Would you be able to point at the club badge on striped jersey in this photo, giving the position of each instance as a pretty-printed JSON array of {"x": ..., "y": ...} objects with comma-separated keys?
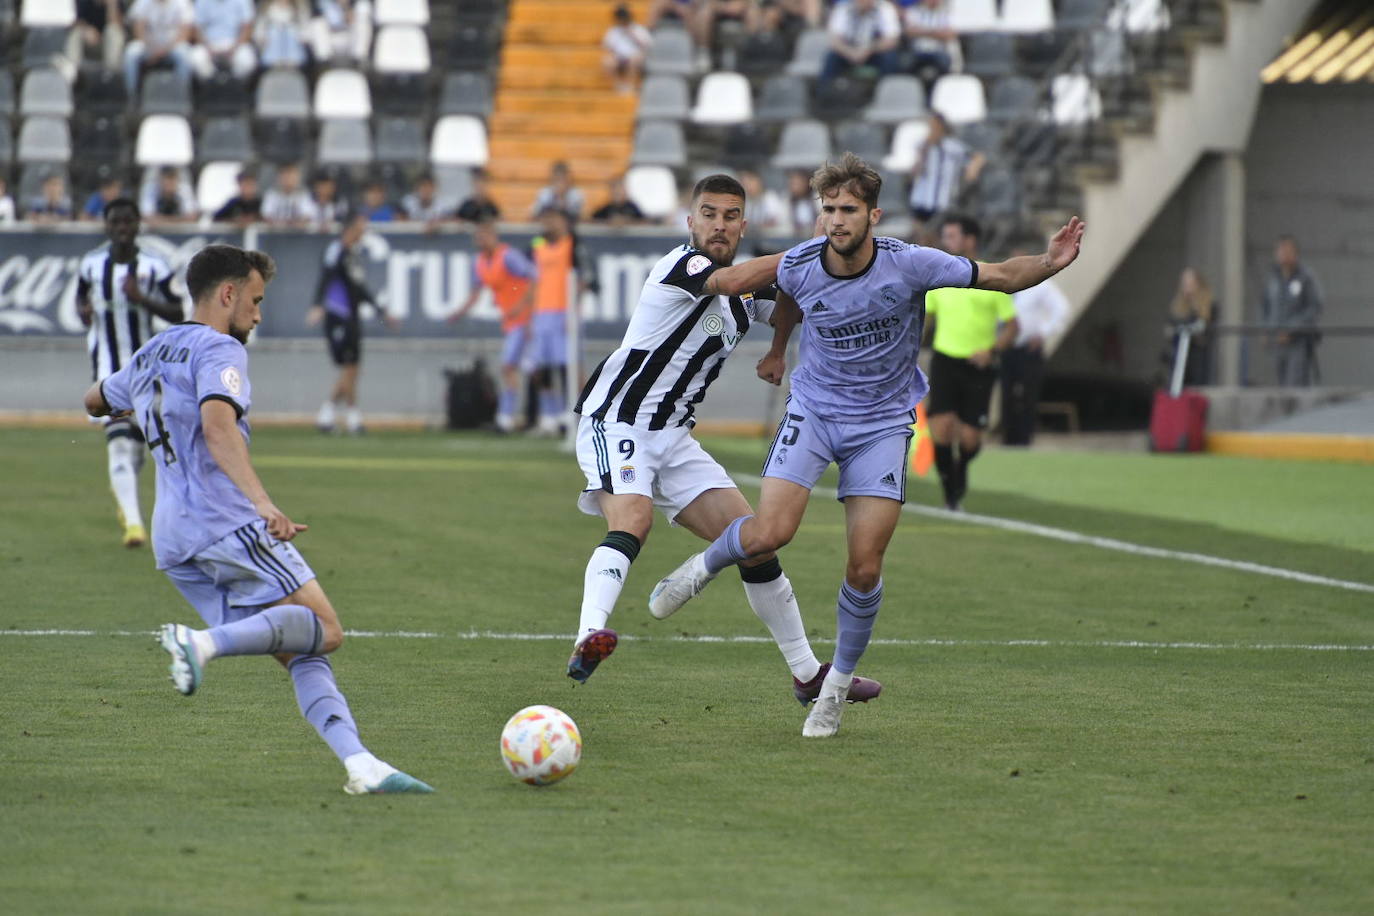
[
  {"x": 747, "y": 300},
  {"x": 627, "y": 473}
]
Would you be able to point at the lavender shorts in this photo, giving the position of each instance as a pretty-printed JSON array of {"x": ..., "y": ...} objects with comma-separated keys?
[
  {"x": 548, "y": 341},
  {"x": 514, "y": 346},
  {"x": 872, "y": 455}
]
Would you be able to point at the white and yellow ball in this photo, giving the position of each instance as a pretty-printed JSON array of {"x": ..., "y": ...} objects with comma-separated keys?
[{"x": 540, "y": 745}]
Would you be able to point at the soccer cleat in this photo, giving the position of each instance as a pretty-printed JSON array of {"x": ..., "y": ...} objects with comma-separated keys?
[
  {"x": 861, "y": 689},
  {"x": 824, "y": 719},
  {"x": 386, "y": 780},
  {"x": 135, "y": 536},
  {"x": 679, "y": 586},
  {"x": 590, "y": 652},
  {"x": 187, "y": 668}
]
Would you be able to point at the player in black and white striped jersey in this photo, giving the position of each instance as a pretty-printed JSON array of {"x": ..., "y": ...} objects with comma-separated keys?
[{"x": 120, "y": 289}]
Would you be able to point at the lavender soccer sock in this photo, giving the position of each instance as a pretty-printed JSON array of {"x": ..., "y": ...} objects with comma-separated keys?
[
  {"x": 726, "y": 550},
  {"x": 324, "y": 706},
  {"x": 854, "y": 616},
  {"x": 506, "y": 404},
  {"x": 281, "y": 628}
]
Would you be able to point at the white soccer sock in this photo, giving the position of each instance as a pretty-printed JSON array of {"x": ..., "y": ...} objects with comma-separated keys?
[
  {"x": 124, "y": 456},
  {"x": 836, "y": 682},
  {"x": 601, "y": 585},
  {"x": 776, "y": 605}
]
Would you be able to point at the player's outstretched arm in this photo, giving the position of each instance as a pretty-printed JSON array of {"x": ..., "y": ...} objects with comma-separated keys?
[
  {"x": 95, "y": 402},
  {"x": 786, "y": 316},
  {"x": 753, "y": 274},
  {"x": 219, "y": 421},
  {"x": 1016, "y": 274}
]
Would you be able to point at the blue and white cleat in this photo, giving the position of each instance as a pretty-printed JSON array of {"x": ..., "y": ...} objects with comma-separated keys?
[
  {"x": 187, "y": 669},
  {"x": 369, "y": 776},
  {"x": 590, "y": 652}
]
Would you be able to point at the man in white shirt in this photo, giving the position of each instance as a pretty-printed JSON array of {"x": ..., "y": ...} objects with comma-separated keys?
[
  {"x": 933, "y": 43},
  {"x": 287, "y": 203},
  {"x": 863, "y": 33},
  {"x": 1042, "y": 312},
  {"x": 625, "y": 44},
  {"x": 224, "y": 30},
  {"x": 944, "y": 164},
  {"x": 161, "y": 31}
]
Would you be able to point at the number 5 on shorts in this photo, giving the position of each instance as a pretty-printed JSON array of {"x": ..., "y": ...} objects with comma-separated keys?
[{"x": 791, "y": 429}]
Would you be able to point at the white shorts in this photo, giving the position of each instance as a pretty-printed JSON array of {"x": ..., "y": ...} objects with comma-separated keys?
[
  {"x": 666, "y": 465},
  {"x": 240, "y": 574}
]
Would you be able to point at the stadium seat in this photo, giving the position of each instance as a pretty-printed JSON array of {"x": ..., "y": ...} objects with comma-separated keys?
[
  {"x": 282, "y": 140},
  {"x": 764, "y": 53},
  {"x": 1108, "y": 54},
  {"x": 783, "y": 98},
  {"x": 45, "y": 139},
  {"x": 45, "y": 92},
  {"x": 747, "y": 145},
  {"x": 989, "y": 54},
  {"x": 166, "y": 93},
  {"x": 226, "y": 138},
  {"x": 466, "y": 94},
  {"x": 1082, "y": 14},
  {"x": 959, "y": 97},
  {"x": 653, "y": 189},
  {"x": 47, "y": 14},
  {"x": 400, "y": 140},
  {"x": 400, "y": 95},
  {"x": 222, "y": 95},
  {"x": 401, "y": 49},
  {"x": 164, "y": 139},
  {"x": 671, "y": 53},
  {"x": 1013, "y": 98},
  {"x": 458, "y": 140},
  {"x": 102, "y": 138},
  {"x": 1027, "y": 16},
  {"x": 840, "y": 97},
  {"x": 906, "y": 140},
  {"x": 217, "y": 182},
  {"x": 663, "y": 97},
  {"x": 983, "y": 137},
  {"x": 999, "y": 193},
  {"x": 865, "y": 139},
  {"x": 1075, "y": 100},
  {"x": 452, "y": 184},
  {"x": 898, "y": 97},
  {"x": 6, "y": 92},
  {"x": 894, "y": 200},
  {"x": 6, "y": 143},
  {"x": 471, "y": 48},
  {"x": 344, "y": 141},
  {"x": 804, "y": 144},
  {"x": 659, "y": 143},
  {"x": 342, "y": 93},
  {"x": 400, "y": 12},
  {"x": 973, "y": 15},
  {"x": 102, "y": 92},
  {"x": 46, "y": 47},
  {"x": 1138, "y": 16},
  {"x": 809, "y": 53},
  {"x": 723, "y": 98}
]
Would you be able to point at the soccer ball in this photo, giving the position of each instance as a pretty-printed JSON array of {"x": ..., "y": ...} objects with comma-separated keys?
[{"x": 540, "y": 745}]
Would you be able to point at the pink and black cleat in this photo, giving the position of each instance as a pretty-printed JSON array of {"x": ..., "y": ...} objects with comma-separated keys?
[
  {"x": 861, "y": 689},
  {"x": 592, "y": 651}
]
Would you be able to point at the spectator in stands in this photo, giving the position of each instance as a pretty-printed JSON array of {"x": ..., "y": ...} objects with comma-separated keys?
[
  {"x": 625, "y": 44},
  {"x": 802, "y": 204},
  {"x": 224, "y": 33},
  {"x": 53, "y": 204},
  {"x": 619, "y": 210},
  {"x": 375, "y": 204},
  {"x": 244, "y": 207},
  {"x": 559, "y": 193},
  {"x": 162, "y": 31},
  {"x": 99, "y": 24},
  {"x": 324, "y": 198},
  {"x": 109, "y": 189},
  {"x": 479, "y": 207},
  {"x": 1291, "y": 306},
  {"x": 863, "y": 34},
  {"x": 341, "y": 29},
  {"x": 710, "y": 13},
  {"x": 281, "y": 32},
  {"x": 682, "y": 11},
  {"x": 287, "y": 204},
  {"x": 1042, "y": 312},
  {"x": 169, "y": 198},
  {"x": 944, "y": 164},
  {"x": 933, "y": 43},
  {"x": 1191, "y": 310},
  {"x": 762, "y": 210},
  {"x": 422, "y": 204},
  {"x": 7, "y": 214}
]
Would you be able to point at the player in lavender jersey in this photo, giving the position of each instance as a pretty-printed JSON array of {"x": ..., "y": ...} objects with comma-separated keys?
[
  {"x": 216, "y": 533},
  {"x": 853, "y": 393}
]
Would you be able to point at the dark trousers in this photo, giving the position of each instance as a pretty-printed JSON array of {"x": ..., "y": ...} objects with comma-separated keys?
[
  {"x": 1023, "y": 370},
  {"x": 884, "y": 62}
]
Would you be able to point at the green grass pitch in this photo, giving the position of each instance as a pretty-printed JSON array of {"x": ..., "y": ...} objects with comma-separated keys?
[{"x": 1044, "y": 742}]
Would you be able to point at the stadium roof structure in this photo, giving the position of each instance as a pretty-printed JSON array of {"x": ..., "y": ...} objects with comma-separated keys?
[{"x": 1336, "y": 45}]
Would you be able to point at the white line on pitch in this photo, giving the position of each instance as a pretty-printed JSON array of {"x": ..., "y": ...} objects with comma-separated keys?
[
  {"x": 1074, "y": 537},
  {"x": 763, "y": 640}
]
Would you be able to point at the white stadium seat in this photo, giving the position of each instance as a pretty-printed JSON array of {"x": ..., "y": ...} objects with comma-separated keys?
[
  {"x": 1139, "y": 16},
  {"x": 164, "y": 139},
  {"x": 401, "y": 49},
  {"x": 973, "y": 15},
  {"x": 342, "y": 93},
  {"x": 400, "y": 12},
  {"x": 1076, "y": 101},
  {"x": 723, "y": 98},
  {"x": 906, "y": 140},
  {"x": 218, "y": 181},
  {"x": 959, "y": 97},
  {"x": 1027, "y": 16},
  {"x": 653, "y": 189},
  {"x": 47, "y": 14},
  {"x": 458, "y": 140}
]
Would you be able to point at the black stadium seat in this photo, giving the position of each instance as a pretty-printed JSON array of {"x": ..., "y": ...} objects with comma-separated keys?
[
  {"x": 401, "y": 94},
  {"x": 223, "y": 95},
  {"x": 101, "y": 92},
  {"x": 282, "y": 140}
]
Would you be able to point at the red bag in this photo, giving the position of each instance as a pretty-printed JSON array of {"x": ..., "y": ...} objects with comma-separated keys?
[{"x": 1178, "y": 423}]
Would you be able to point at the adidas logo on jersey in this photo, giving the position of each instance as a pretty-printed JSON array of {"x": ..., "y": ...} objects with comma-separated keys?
[
  {"x": 613, "y": 573},
  {"x": 889, "y": 479},
  {"x": 819, "y": 307}
]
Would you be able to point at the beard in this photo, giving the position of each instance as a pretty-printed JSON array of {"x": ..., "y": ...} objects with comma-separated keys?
[
  {"x": 856, "y": 241},
  {"x": 240, "y": 334},
  {"x": 725, "y": 261}
]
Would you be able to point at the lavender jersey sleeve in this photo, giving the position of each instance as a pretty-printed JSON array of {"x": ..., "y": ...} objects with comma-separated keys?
[
  {"x": 221, "y": 373},
  {"x": 519, "y": 265},
  {"x": 118, "y": 389},
  {"x": 930, "y": 268}
]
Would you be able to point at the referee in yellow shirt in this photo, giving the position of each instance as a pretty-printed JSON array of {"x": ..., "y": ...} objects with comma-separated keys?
[{"x": 972, "y": 326}]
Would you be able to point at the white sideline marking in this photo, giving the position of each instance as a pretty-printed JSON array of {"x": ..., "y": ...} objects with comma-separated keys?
[
  {"x": 1140, "y": 550},
  {"x": 473, "y": 635}
]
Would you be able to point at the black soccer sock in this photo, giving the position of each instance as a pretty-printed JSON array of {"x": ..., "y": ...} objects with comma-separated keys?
[
  {"x": 945, "y": 466},
  {"x": 966, "y": 456}
]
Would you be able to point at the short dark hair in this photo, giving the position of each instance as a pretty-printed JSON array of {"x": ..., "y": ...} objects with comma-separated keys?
[
  {"x": 850, "y": 174},
  {"x": 718, "y": 184},
  {"x": 967, "y": 225},
  {"x": 216, "y": 264},
  {"x": 118, "y": 202}
]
